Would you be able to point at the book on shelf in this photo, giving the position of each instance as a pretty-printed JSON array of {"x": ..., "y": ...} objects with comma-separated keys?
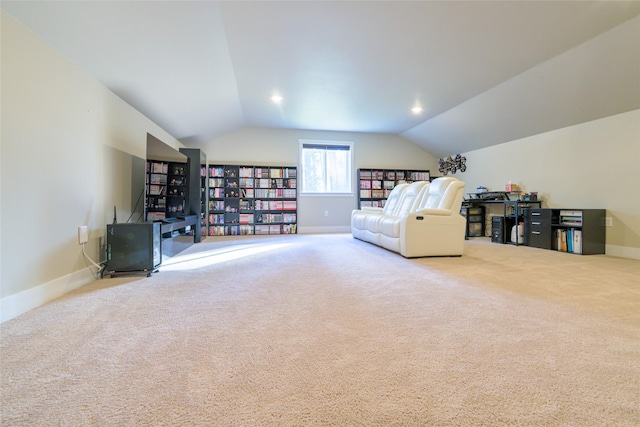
[
  {"x": 246, "y": 182},
  {"x": 216, "y": 182},
  {"x": 245, "y": 172},
  {"x": 577, "y": 241},
  {"x": 262, "y": 229},
  {"x": 155, "y": 216},
  {"x": 216, "y": 230},
  {"x": 158, "y": 178},
  {"x": 246, "y": 218},
  {"x": 289, "y": 228},
  {"x": 246, "y": 230},
  {"x": 276, "y": 173},
  {"x": 159, "y": 167},
  {"x": 568, "y": 240},
  {"x": 216, "y": 171},
  {"x": 156, "y": 190},
  {"x": 419, "y": 176}
]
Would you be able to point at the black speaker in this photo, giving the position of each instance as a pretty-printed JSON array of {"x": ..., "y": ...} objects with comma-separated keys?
[
  {"x": 134, "y": 247},
  {"x": 497, "y": 230}
]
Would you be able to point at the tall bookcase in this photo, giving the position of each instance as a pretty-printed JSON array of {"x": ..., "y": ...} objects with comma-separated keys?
[
  {"x": 165, "y": 190},
  {"x": 197, "y": 189},
  {"x": 245, "y": 200},
  {"x": 375, "y": 185}
]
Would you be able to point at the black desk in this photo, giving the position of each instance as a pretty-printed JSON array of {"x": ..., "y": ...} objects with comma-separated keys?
[{"x": 512, "y": 210}]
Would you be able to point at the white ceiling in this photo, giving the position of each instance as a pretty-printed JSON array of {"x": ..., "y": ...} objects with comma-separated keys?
[{"x": 486, "y": 72}]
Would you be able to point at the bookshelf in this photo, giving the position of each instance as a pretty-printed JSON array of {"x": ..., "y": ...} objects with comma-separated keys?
[
  {"x": 246, "y": 200},
  {"x": 578, "y": 231},
  {"x": 197, "y": 189},
  {"x": 374, "y": 185},
  {"x": 165, "y": 190},
  {"x": 156, "y": 190}
]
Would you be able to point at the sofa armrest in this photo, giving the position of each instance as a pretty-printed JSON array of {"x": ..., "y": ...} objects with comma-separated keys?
[{"x": 432, "y": 211}]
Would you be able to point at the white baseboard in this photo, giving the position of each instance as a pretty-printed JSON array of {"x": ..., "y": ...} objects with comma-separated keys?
[
  {"x": 623, "y": 251},
  {"x": 328, "y": 229},
  {"x": 14, "y": 305}
]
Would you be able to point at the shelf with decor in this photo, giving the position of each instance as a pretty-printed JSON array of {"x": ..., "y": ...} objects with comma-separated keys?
[{"x": 176, "y": 189}]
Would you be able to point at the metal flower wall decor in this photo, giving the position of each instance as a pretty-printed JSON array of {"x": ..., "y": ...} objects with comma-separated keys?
[{"x": 453, "y": 164}]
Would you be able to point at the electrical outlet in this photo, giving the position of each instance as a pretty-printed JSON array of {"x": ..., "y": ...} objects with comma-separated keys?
[
  {"x": 608, "y": 221},
  {"x": 83, "y": 234}
]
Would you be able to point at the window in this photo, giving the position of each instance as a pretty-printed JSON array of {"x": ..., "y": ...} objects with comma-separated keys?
[{"x": 326, "y": 167}]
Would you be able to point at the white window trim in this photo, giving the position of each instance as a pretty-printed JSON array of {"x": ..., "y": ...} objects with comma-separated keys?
[{"x": 351, "y": 144}]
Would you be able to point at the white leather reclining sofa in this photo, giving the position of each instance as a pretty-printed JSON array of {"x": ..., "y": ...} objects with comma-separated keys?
[{"x": 419, "y": 219}]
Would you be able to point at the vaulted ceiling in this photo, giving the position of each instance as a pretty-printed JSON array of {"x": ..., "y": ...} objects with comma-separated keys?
[{"x": 484, "y": 72}]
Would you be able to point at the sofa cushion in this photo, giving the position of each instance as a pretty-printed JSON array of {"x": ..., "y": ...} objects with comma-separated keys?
[
  {"x": 389, "y": 225},
  {"x": 358, "y": 217},
  {"x": 409, "y": 200},
  {"x": 436, "y": 195}
]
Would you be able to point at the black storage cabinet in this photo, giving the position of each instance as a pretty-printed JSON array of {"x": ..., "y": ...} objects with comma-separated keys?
[
  {"x": 475, "y": 220},
  {"x": 538, "y": 226},
  {"x": 135, "y": 247}
]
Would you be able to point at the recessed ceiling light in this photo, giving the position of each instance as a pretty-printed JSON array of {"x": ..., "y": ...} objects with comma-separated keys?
[
  {"x": 276, "y": 99},
  {"x": 416, "y": 110}
]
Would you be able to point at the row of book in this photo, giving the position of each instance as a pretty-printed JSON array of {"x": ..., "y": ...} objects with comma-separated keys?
[
  {"x": 251, "y": 183},
  {"x": 157, "y": 167},
  {"x": 259, "y": 205},
  {"x": 157, "y": 178},
  {"x": 156, "y": 190},
  {"x": 251, "y": 172},
  {"x": 366, "y": 174},
  {"x": 394, "y": 175},
  {"x": 373, "y": 203},
  {"x": 243, "y": 230},
  {"x": 374, "y": 194},
  {"x": 276, "y": 205},
  {"x": 275, "y": 193},
  {"x": 377, "y": 184},
  {"x": 249, "y": 218},
  {"x": 419, "y": 176},
  {"x": 568, "y": 240},
  {"x": 250, "y": 193}
]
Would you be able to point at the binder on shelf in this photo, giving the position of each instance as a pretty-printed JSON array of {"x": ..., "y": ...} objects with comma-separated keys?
[{"x": 577, "y": 241}]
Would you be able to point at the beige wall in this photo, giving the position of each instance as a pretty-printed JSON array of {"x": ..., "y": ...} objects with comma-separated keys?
[
  {"x": 592, "y": 165},
  {"x": 260, "y": 146},
  {"x": 68, "y": 153}
]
